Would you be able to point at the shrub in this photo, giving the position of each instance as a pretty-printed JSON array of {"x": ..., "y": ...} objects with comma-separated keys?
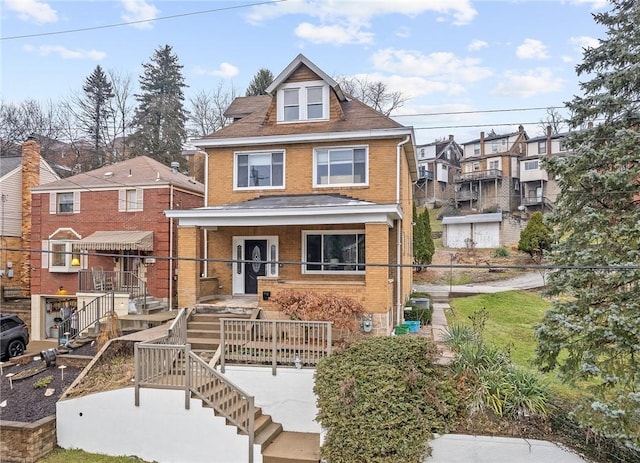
[
  {"x": 422, "y": 314},
  {"x": 501, "y": 252},
  {"x": 354, "y": 388},
  {"x": 342, "y": 311},
  {"x": 43, "y": 382}
]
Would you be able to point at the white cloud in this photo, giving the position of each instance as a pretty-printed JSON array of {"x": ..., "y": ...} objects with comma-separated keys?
[
  {"x": 65, "y": 53},
  {"x": 349, "y": 21},
  {"x": 584, "y": 41},
  {"x": 461, "y": 11},
  {"x": 403, "y": 32},
  {"x": 532, "y": 49},
  {"x": 413, "y": 87},
  {"x": 534, "y": 82},
  {"x": 443, "y": 65},
  {"x": 139, "y": 10},
  {"x": 32, "y": 11},
  {"x": 595, "y": 4},
  {"x": 476, "y": 45},
  {"x": 226, "y": 71},
  {"x": 335, "y": 34}
]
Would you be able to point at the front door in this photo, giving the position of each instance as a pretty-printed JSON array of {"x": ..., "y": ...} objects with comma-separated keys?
[{"x": 255, "y": 253}]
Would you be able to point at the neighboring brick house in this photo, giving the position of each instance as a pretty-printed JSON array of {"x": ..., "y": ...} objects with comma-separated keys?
[
  {"x": 307, "y": 189},
  {"x": 438, "y": 164},
  {"x": 18, "y": 174},
  {"x": 106, "y": 223},
  {"x": 489, "y": 180}
]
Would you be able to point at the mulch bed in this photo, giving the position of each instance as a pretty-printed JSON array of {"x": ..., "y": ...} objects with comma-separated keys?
[{"x": 25, "y": 403}]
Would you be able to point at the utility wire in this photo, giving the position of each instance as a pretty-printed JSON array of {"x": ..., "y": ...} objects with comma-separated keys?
[{"x": 107, "y": 26}]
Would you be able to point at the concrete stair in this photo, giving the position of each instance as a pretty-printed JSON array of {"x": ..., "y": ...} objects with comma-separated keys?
[
  {"x": 293, "y": 447},
  {"x": 149, "y": 304}
]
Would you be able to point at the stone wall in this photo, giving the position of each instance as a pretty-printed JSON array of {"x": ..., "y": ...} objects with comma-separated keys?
[{"x": 27, "y": 442}]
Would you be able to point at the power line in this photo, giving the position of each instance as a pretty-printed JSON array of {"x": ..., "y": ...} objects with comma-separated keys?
[
  {"x": 538, "y": 267},
  {"x": 142, "y": 21}
]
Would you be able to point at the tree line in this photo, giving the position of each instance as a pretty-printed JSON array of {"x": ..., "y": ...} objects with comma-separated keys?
[{"x": 106, "y": 121}]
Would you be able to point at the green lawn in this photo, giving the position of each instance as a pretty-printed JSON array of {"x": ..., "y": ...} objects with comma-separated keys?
[
  {"x": 78, "y": 456},
  {"x": 512, "y": 317}
]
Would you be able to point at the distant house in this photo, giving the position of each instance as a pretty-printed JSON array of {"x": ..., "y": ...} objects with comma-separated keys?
[
  {"x": 539, "y": 189},
  {"x": 18, "y": 175},
  {"x": 307, "y": 189},
  {"x": 438, "y": 163},
  {"x": 489, "y": 179},
  {"x": 106, "y": 229}
]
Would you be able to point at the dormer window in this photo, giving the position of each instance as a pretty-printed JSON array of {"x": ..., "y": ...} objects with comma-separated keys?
[{"x": 303, "y": 101}]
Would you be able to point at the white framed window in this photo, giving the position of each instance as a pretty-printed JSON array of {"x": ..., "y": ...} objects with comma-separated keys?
[
  {"x": 564, "y": 145},
  {"x": 59, "y": 256},
  {"x": 264, "y": 169},
  {"x": 495, "y": 146},
  {"x": 476, "y": 166},
  {"x": 476, "y": 148},
  {"x": 130, "y": 200},
  {"x": 542, "y": 147},
  {"x": 333, "y": 251},
  {"x": 494, "y": 164},
  {"x": 64, "y": 202},
  {"x": 303, "y": 101},
  {"x": 531, "y": 165},
  {"x": 340, "y": 166}
]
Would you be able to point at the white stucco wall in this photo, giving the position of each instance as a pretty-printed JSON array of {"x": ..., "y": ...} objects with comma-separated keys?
[
  {"x": 288, "y": 396},
  {"x": 160, "y": 429}
]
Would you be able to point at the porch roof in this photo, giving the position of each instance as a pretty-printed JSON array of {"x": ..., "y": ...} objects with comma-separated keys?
[
  {"x": 315, "y": 209},
  {"x": 116, "y": 240}
]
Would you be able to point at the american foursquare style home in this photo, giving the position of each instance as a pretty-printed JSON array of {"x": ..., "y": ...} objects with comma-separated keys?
[{"x": 307, "y": 189}]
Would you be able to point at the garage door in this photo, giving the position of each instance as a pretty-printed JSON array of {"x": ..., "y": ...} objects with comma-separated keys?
[
  {"x": 486, "y": 235},
  {"x": 457, "y": 234}
]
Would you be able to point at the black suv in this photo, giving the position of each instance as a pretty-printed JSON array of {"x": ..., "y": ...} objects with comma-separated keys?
[{"x": 14, "y": 336}]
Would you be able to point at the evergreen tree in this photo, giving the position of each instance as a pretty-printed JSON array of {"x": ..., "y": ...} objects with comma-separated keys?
[
  {"x": 593, "y": 331},
  {"x": 535, "y": 239},
  {"x": 260, "y": 82},
  {"x": 423, "y": 246},
  {"x": 95, "y": 110},
  {"x": 160, "y": 117}
]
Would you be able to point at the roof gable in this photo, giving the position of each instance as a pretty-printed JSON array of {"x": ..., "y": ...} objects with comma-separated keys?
[{"x": 297, "y": 62}]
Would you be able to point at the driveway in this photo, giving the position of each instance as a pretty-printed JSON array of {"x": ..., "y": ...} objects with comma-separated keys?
[{"x": 528, "y": 280}]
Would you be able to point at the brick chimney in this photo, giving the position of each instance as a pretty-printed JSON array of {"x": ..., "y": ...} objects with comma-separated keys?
[{"x": 30, "y": 178}]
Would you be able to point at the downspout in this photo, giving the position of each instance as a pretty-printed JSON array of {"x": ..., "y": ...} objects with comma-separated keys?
[
  {"x": 399, "y": 301},
  {"x": 171, "y": 251}
]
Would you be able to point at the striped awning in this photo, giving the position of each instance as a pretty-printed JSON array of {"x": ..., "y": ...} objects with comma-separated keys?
[{"x": 116, "y": 240}]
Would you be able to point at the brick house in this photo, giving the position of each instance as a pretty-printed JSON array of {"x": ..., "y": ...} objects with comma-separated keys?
[
  {"x": 91, "y": 229},
  {"x": 18, "y": 174},
  {"x": 307, "y": 189}
]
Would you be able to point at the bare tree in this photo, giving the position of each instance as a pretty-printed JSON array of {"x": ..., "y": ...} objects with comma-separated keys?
[
  {"x": 374, "y": 94},
  {"x": 123, "y": 105},
  {"x": 553, "y": 119},
  {"x": 206, "y": 112},
  {"x": 19, "y": 121}
]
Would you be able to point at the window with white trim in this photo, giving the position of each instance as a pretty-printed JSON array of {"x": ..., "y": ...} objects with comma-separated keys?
[
  {"x": 64, "y": 202},
  {"x": 303, "y": 101},
  {"x": 494, "y": 164},
  {"x": 59, "y": 255},
  {"x": 542, "y": 147},
  {"x": 259, "y": 170},
  {"x": 130, "y": 200},
  {"x": 340, "y": 166},
  {"x": 334, "y": 251},
  {"x": 531, "y": 165}
]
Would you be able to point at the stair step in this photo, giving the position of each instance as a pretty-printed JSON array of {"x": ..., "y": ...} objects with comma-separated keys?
[
  {"x": 265, "y": 437},
  {"x": 293, "y": 447}
]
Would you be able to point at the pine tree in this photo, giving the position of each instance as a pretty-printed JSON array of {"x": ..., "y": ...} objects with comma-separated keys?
[
  {"x": 593, "y": 330},
  {"x": 260, "y": 82},
  {"x": 535, "y": 239},
  {"x": 160, "y": 116},
  {"x": 95, "y": 110},
  {"x": 423, "y": 246}
]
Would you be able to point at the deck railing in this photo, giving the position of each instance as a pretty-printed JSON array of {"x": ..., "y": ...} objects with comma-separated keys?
[
  {"x": 170, "y": 366},
  {"x": 273, "y": 342},
  {"x": 87, "y": 316}
]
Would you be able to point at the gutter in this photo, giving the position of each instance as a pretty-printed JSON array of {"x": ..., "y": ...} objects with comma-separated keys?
[{"x": 399, "y": 222}]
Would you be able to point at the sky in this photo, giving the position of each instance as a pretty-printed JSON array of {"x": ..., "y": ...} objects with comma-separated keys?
[{"x": 464, "y": 66}]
